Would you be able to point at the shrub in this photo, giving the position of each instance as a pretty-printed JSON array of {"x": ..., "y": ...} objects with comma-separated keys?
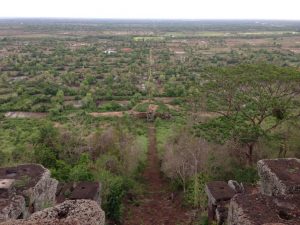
[
  {"x": 114, "y": 200},
  {"x": 195, "y": 194},
  {"x": 62, "y": 171},
  {"x": 3, "y": 158},
  {"x": 185, "y": 156},
  {"x": 246, "y": 175},
  {"x": 111, "y": 106},
  {"x": 81, "y": 172},
  {"x": 112, "y": 194},
  {"x": 177, "y": 101},
  {"x": 143, "y": 107},
  {"x": 203, "y": 220},
  {"x": 45, "y": 156},
  {"x": 18, "y": 152}
]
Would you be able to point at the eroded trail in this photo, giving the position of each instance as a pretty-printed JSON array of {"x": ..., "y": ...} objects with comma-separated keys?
[{"x": 157, "y": 206}]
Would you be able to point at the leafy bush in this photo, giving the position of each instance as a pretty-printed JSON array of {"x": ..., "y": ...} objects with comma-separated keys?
[
  {"x": 177, "y": 101},
  {"x": 143, "y": 107},
  {"x": 45, "y": 156},
  {"x": 195, "y": 194},
  {"x": 112, "y": 194},
  {"x": 111, "y": 106},
  {"x": 3, "y": 158},
  {"x": 81, "y": 172},
  {"x": 246, "y": 175},
  {"x": 203, "y": 220},
  {"x": 61, "y": 171},
  {"x": 18, "y": 152}
]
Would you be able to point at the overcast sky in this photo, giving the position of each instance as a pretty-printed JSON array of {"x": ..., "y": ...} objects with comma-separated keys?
[{"x": 158, "y": 9}]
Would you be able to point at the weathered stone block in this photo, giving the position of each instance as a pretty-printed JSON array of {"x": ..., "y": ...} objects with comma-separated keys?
[
  {"x": 6, "y": 183},
  {"x": 234, "y": 185},
  {"x": 87, "y": 190},
  {"x": 6, "y": 187},
  {"x": 80, "y": 190},
  {"x": 88, "y": 212},
  {"x": 12, "y": 208},
  {"x": 258, "y": 209},
  {"x": 70, "y": 212},
  {"x": 222, "y": 212},
  {"x": 31, "y": 183},
  {"x": 218, "y": 191},
  {"x": 279, "y": 176},
  {"x": 219, "y": 194}
]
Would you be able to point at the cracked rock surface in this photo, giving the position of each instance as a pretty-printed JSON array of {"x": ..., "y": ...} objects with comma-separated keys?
[{"x": 73, "y": 212}]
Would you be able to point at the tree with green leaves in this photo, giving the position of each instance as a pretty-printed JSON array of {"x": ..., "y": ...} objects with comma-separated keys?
[
  {"x": 252, "y": 101},
  {"x": 88, "y": 101},
  {"x": 57, "y": 103}
]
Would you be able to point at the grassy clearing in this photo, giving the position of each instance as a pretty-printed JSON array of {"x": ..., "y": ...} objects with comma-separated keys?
[
  {"x": 233, "y": 34},
  {"x": 142, "y": 142},
  {"x": 18, "y": 132},
  {"x": 164, "y": 130},
  {"x": 213, "y": 34},
  {"x": 143, "y": 107},
  {"x": 262, "y": 33},
  {"x": 148, "y": 38}
]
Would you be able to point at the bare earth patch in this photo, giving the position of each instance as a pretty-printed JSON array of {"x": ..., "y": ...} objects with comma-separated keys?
[
  {"x": 108, "y": 114},
  {"x": 158, "y": 206}
]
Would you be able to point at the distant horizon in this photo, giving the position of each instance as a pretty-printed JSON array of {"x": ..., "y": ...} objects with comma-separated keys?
[
  {"x": 285, "y": 10},
  {"x": 154, "y": 19}
]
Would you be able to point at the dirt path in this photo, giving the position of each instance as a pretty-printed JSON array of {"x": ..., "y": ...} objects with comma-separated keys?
[{"x": 157, "y": 206}]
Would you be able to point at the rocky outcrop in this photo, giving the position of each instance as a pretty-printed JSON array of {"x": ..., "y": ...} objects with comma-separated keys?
[
  {"x": 42, "y": 195},
  {"x": 25, "y": 189},
  {"x": 79, "y": 190},
  {"x": 88, "y": 212},
  {"x": 73, "y": 212},
  {"x": 12, "y": 208},
  {"x": 236, "y": 214},
  {"x": 279, "y": 176},
  {"x": 276, "y": 201},
  {"x": 256, "y": 209},
  {"x": 219, "y": 194},
  {"x": 43, "y": 222}
]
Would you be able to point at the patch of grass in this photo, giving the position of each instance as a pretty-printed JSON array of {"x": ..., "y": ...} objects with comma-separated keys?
[
  {"x": 111, "y": 106},
  {"x": 213, "y": 34},
  {"x": 17, "y": 131},
  {"x": 148, "y": 38},
  {"x": 143, "y": 107},
  {"x": 164, "y": 130},
  {"x": 142, "y": 142}
]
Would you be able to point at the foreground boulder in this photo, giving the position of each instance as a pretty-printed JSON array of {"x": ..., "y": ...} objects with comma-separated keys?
[
  {"x": 279, "y": 176},
  {"x": 12, "y": 207},
  {"x": 79, "y": 190},
  {"x": 25, "y": 189},
  {"x": 219, "y": 194},
  {"x": 259, "y": 209},
  {"x": 70, "y": 212},
  {"x": 275, "y": 201}
]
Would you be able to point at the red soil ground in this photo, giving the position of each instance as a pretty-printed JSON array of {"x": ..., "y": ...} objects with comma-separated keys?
[{"x": 157, "y": 206}]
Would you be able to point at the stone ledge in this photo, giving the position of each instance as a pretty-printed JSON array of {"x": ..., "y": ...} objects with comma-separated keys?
[
  {"x": 257, "y": 209},
  {"x": 70, "y": 212},
  {"x": 279, "y": 176},
  {"x": 218, "y": 191},
  {"x": 30, "y": 182}
]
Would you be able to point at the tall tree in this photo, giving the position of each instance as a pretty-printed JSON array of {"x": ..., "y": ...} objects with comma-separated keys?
[{"x": 252, "y": 99}]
